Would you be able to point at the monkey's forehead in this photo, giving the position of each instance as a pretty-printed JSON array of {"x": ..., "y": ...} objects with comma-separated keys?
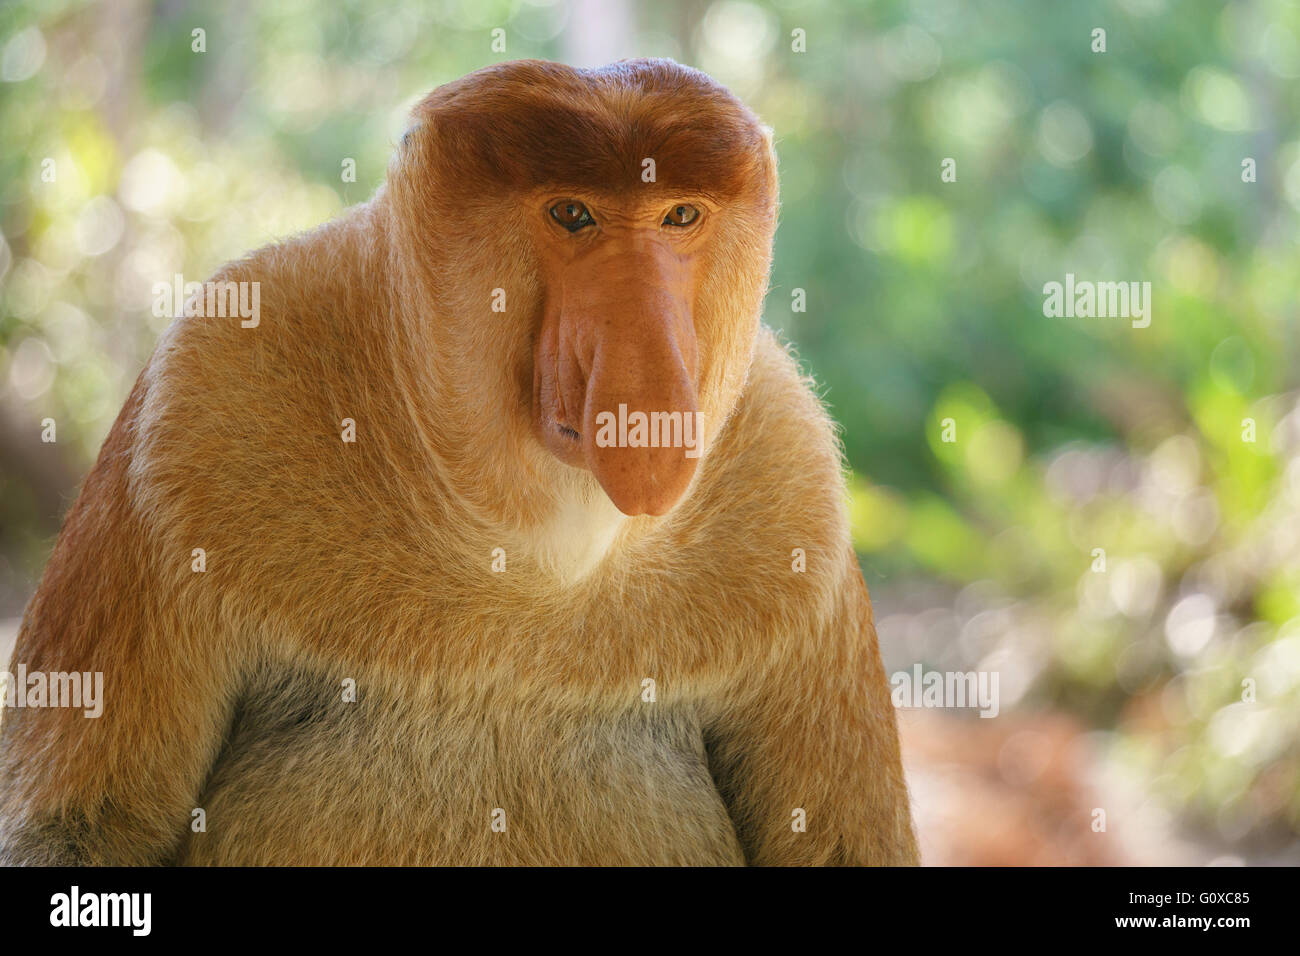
[{"x": 643, "y": 124}]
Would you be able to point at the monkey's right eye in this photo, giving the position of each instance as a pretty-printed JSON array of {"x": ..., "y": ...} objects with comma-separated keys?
[{"x": 572, "y": 215}]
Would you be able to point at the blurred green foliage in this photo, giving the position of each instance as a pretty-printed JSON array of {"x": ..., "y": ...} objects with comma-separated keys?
[{"x": 1073, "y": 436}]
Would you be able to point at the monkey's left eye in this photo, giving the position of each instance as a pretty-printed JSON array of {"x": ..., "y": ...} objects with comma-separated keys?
[
  {"x": 682, "y": 215},
  {"x": 572, "y": 215}
]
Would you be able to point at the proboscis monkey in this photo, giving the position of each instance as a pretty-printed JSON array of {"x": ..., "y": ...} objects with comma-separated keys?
[{"x": 396, "y": 573}]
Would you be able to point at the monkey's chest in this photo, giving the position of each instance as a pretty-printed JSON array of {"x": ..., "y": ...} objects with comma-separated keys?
[{"x": 392, "y": 781}]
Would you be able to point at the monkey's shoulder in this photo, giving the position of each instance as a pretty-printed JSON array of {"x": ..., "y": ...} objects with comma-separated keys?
[
  {"x": 774, "y": 494},
  {"x": 237, "y": 435},
  {"x": 779, "y": 457}
]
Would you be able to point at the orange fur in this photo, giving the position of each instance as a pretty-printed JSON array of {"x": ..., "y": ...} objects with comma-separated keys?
[{"x": 519, "y": 690}]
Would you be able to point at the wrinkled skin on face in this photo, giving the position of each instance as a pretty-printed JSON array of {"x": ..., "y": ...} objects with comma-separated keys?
[{"x": 627, "y": 215}]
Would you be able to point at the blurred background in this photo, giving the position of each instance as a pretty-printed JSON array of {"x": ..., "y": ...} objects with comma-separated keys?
[{"x": 1158, "y": 678}]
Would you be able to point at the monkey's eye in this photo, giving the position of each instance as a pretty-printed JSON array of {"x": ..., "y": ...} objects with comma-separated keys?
[
  {"x": 572, "y": 215},
  {"x": 682, "y": 215}
]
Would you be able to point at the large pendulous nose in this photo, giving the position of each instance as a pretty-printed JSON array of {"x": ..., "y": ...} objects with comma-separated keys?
[
  {"x": 641, "y": 432},
  {"x": 641, "y": 428}
]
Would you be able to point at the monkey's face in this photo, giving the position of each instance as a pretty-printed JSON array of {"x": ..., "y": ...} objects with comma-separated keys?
[
  {"x": 627, "y": 216},
  {"x": 616, "y": 359}
]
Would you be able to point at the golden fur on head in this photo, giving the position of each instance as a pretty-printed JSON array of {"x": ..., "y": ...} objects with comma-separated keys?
[{"x": 539, "y": 678}]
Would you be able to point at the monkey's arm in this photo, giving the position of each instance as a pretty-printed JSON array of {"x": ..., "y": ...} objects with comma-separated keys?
[
  {"x": 118, "y": 788},
  {"x": 818, "y": 735}
]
